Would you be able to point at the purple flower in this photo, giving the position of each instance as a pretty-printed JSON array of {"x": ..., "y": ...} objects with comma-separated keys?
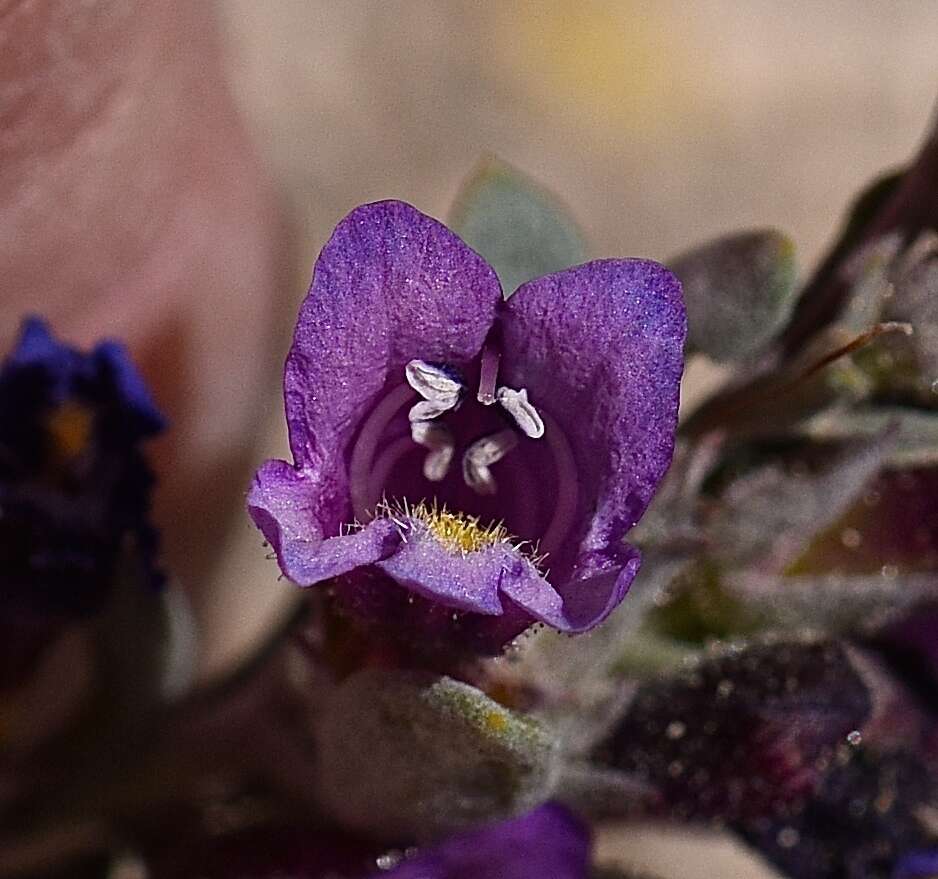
[
  {"x": 74, "y": 486},
  {"x": 450, "y": 448},
  {"x": 917, "y": 865},
  {"x": 546, "y": 842}
]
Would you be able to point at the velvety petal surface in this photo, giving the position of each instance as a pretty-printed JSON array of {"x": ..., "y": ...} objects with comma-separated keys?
[
  {"x": 599, "y": 349},
  {"x": 473, "y": 581},
  {"x": 549, "y": 841},
  {"x": 391, "y": 285},
  {"x": 286, "y": 505}
]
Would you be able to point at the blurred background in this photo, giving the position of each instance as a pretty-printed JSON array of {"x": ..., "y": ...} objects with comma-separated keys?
[{"x": 659, "y": 123}]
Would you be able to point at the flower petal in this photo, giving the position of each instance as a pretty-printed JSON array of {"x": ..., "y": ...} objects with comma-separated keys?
[
  {"x": 391, "y": 286},
  {"x": 549, "y": 841},
  {"x": 599, "y": 349},
  {"x": 596, "y": 590},
  {"x": 464, "y": 581},
  {"x": 283, "y": 504}
]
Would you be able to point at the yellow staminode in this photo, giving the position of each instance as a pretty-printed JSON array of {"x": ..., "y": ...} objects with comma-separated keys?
[
  {"x": 69, "y": 427},
  {"x": 456, "y": 531}
]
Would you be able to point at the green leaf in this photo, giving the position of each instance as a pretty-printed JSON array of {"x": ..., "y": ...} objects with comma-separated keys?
[
  {"x": 700, "y": 609},
  {"x": 833, "y": 602},
  {"x": 770, "y": 516},
  {"x": 406, "y": 754},
  {"x": 739, "y": 292},
  {"x": 521, "y": 229},
  {"x": 915, "y": 431}
]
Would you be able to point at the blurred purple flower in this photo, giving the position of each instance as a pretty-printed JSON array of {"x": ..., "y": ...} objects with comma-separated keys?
[
  {"x": 449, "y": 447},
  {"x": 549, "y": 841},
  {"x": 917, "y": 865},
  {"x": 74, "y": 486}
]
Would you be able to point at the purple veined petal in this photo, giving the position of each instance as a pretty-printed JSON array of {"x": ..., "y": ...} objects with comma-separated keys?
[
  {"x": 548, "y": 842},
  {"x": 392, "y": 285},
  {"x": 597, "y": 589},
  {"x": 599, "y": 349},
  {"x": 283, "y": 502}
]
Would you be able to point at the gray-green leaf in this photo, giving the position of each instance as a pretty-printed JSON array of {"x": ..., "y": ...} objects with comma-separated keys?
[
  {"x": 521, "y": 229},
  {"x": 414, "y": 755},
  {"x": 739, "y": 292},
  {"x": 915, "y": 431}
]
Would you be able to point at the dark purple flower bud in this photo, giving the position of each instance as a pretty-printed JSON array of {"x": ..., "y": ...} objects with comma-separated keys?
[
  {"x": 903, "y": 204},
  {"x": 451, "y": 447},
  {"x": 74, "y": 486},
  {"x": 747, "y": 733},
  {"x": 909, "y": 645},
  {"x": 857, "y": 825}
]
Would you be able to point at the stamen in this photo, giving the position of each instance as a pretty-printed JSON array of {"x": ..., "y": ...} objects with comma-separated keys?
[
  {"x": 433, "y": 382},
  {"x": 438, "y": 438},
  {"x": 488, "y": 375},
  {"x": 426, "y": 410},
  {"x": 483, "y": 453},
  {"x": 516, "y": 404}
]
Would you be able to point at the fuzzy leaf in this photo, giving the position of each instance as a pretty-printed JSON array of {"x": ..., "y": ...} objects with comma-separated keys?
[
  {"x": 739, "y": 292},
  {"x": 415, "y": 755},
  {"x": 771, "y": 516},
  {"x": 834, "y": 602},
  {"x": 916, "y": 300},
  {"x": 915, "y": 431},
  {"x": 521, "y": 229}
]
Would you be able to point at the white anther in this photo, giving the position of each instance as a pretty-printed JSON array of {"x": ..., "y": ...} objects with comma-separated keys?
[
  {"x": 434, "y": 383},
  {"x": 425, "y": 410},
  {"x": 516, "y": 404},
  {"x": 481, "y": 455},
  {"x": 439, "y": 440}
]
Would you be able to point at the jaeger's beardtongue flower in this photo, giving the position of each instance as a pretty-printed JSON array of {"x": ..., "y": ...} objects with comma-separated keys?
[
  {"x": 451, "y": 448},
  {"x": 74, "y": 486}
]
